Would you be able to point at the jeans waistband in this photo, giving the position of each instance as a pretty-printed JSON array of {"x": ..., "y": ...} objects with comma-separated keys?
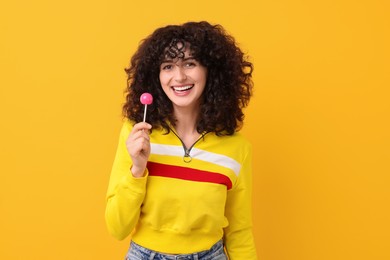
[{"x": 146, "y": 253}]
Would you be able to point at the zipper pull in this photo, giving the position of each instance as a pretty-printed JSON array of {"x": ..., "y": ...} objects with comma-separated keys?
[{"x": 187, "y": 157}]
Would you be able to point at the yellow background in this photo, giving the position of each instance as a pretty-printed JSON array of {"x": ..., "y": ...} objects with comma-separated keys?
[{"x": 319, "y": 121}]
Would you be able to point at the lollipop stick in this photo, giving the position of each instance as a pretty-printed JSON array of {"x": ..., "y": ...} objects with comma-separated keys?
[
  {"x": 146, "y": 107},
  {"x": 146, "y": 99}
]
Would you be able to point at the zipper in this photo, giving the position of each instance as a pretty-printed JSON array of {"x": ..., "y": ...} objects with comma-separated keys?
[{"x": 187, "y": 157}]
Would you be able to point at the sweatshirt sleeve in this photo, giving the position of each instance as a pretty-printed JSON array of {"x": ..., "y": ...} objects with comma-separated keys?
[
  {"x": 239, "y": 240},
  {"x": 125, "y": 193}
]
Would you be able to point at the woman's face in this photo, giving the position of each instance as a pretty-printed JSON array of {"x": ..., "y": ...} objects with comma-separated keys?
[{"x": 183, "y": 80}]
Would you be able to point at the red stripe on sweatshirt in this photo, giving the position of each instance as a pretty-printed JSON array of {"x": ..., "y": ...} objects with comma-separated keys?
[{"x": 184, "y": 173}]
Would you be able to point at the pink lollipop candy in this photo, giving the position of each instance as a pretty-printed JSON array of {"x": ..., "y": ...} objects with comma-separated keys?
[{"x": 146, "y": 99}]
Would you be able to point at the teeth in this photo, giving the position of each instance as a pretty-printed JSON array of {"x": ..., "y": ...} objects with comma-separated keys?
[{"x": 183, "y": 88}]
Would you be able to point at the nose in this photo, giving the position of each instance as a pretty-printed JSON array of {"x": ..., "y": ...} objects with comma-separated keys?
[{"x": 180, "y": 74}]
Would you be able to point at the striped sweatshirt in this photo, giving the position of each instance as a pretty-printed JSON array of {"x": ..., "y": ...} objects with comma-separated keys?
[{"x": 188, "y": 199}]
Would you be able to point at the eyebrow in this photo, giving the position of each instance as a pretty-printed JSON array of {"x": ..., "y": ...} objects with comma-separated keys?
[{"x": 185, "y": 59}]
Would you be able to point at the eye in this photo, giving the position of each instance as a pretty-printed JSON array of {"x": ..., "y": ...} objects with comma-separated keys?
[
  {"x": 190, "y": 64},
  {"x": 166, "y": 66}
]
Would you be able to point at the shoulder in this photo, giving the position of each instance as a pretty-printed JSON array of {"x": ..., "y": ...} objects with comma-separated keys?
[
  {"x": 127, "y": 126},
  {"x": 236, "y": 146},
  {"x": 235, "y": 140},
  {"x": 239, "y": 137},
  {"x": 241, "y": 143}
]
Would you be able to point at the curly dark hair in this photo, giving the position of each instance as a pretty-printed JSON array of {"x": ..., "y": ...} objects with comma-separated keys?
[{"x": 229, "y": 77}]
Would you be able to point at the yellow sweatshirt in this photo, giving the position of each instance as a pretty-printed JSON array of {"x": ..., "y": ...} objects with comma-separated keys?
[{"x": 184, "y": 204}]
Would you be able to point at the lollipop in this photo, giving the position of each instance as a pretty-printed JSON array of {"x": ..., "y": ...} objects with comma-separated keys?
[{"x": 146, "y": 99}]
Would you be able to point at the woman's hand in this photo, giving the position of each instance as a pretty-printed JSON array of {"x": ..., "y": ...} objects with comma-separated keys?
[{"x": 138, "y": 146}]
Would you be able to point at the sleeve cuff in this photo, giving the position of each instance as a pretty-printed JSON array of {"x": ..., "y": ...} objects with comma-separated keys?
[{"x": 136, "y": 184}]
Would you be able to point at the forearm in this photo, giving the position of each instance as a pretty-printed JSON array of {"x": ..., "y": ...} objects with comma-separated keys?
[
  {"x": 124, "y": 206},
  {"x": 240, "y": 244}
]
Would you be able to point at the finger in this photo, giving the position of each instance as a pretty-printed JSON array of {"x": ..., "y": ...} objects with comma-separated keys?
[
  {"x": 139, "y": 145},
  {"x": 137, "y": 149},
  {"x": 136, "y": 135},
  {"x": 146, "y": 147},
  {"x": 141, "y": 126}
]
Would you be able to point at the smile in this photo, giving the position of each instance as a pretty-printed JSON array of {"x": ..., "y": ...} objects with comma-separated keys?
[{"x": 182, "y": 88}]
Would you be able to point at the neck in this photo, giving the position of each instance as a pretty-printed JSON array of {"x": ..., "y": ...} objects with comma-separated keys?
[
  {"x": 186, "y": 125},
  {"x": 186, "y": 120}
]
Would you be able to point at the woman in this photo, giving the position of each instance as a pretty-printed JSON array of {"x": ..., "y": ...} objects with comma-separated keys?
[{"x": 181, "y": 183}]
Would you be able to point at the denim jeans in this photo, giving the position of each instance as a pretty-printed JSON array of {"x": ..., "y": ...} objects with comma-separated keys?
[{"x": 137, "y": 252}]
